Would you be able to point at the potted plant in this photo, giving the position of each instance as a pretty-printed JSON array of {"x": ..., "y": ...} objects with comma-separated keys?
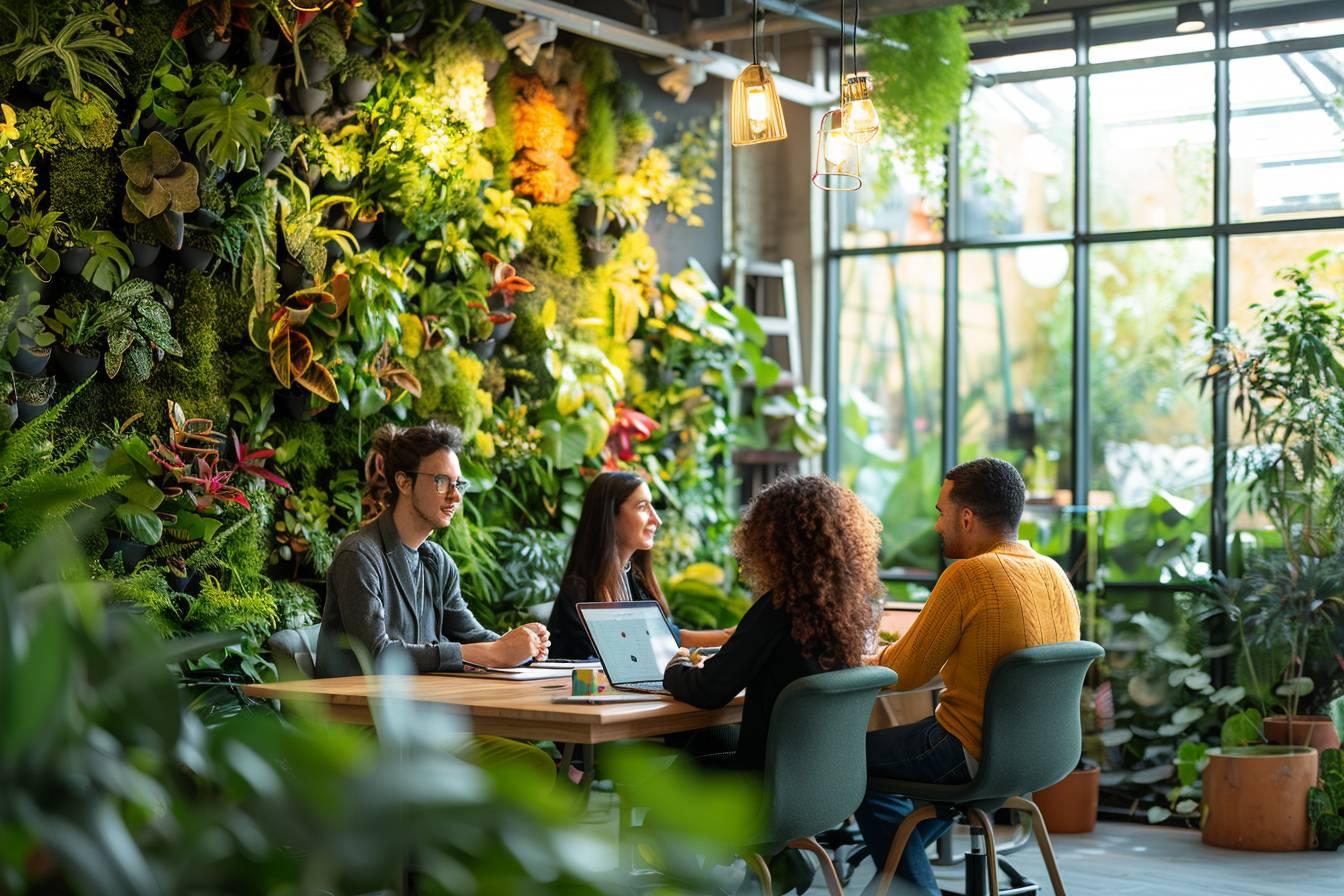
[
  {"x": 28, "y": 341},
  {"x": 76, "y": 325},
  {"x": 358, "y": 76},
  {"x": 9, "y": 413},
  {"x": 136, "y": 319},
  {"x": 320, "y": 49},
  {"x": 34, "y": 237},
  {"x": 311, "y": 96},
  {"x": 207, "y": 26},
  {"x": 1287, "y": 384},
  {"x": 160, "y": 190},
  {"x": 277, "y": 144},
  {"x": 34, "y": 394}
]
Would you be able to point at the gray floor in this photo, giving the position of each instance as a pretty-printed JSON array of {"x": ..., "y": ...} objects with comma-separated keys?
[{"x": 1125, "y": 859}]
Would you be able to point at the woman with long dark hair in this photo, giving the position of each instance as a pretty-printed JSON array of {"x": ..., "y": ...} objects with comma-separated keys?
[{"x": 611, "y": 559}]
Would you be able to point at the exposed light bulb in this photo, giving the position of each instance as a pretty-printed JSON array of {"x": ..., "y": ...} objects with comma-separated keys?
[
  {"x": 839, "y": 149},
  {"x": 758, "y": 109},
  {"x": 860, "y": 115}
]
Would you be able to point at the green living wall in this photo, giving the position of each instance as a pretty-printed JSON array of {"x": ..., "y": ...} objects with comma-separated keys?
[{"x": 239, "y": 238}]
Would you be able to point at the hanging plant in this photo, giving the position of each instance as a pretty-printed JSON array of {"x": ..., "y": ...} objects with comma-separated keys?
[
  {"x": 919, "y": 90},
  {"x": 997, "y": 15}
]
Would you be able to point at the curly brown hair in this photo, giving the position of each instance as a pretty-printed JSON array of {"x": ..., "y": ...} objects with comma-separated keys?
[{"x": 813, "y": 545}]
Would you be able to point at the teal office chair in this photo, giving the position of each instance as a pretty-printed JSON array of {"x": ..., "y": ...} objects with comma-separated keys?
[
  {"x": 1032, "y": 737},
  {"x": 294, "y": 651},
  {"x": 816, "y": 761}
]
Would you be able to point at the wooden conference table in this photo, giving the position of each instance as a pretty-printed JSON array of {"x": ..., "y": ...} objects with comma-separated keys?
[{"x": 523, "y": 709}]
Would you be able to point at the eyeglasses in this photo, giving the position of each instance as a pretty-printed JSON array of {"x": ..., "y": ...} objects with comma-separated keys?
[{"x": 442, "y": 483}]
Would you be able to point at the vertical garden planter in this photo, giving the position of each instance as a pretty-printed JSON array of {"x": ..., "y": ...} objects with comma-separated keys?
[
  {"x": 1070, "y": 805},
  {"x": 1256, "y": 797}
]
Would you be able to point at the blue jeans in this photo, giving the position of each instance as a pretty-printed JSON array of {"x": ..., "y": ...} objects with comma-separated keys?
[{"x": 921, "y": 751}]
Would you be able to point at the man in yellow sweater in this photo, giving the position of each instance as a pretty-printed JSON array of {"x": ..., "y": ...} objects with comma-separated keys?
[{"x": 998, "y": 597}]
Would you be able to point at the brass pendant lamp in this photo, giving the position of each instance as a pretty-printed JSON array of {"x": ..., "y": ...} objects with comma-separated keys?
[
  {"x": 756, "y": 114},
  {"x": 837, "y": 156}
]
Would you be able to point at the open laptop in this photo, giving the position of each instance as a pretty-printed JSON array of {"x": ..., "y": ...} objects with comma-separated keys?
[{"x": 634, "y": 641}]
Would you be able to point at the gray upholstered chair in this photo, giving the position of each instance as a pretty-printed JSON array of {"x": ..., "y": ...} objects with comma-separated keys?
[
  {"x": 294, "y": 651},
  {"x": 816, "y": 761},
  {"x": 1032, "y": 738}
]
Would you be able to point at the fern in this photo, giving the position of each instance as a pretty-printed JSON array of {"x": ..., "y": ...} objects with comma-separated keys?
[
  {"x": 220, "y": 609},
  {"x": 37, "y": 484}
]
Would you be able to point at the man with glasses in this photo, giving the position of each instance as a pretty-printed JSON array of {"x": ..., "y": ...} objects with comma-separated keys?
[{"x": 391, "y": 589}]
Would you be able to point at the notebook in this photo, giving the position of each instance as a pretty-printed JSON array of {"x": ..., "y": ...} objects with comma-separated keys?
[{"x": 634, "y": 641}]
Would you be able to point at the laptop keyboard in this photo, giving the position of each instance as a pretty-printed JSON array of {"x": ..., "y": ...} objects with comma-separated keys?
[{"x": 655, "y": 686}]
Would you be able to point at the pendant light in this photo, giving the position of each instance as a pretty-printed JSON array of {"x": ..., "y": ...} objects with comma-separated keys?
[
  {"x": 756, "y": 113},
  {"x": 856, "y": 93},
  {"x": 837, "y": 167},
  {"x": 837, "y": 156}
]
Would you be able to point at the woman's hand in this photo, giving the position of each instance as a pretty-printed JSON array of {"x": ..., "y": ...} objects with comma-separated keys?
[{"x": 681, "y": 658}]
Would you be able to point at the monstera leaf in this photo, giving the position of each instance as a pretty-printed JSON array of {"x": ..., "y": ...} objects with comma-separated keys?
[{"x": 160, "y": 188}]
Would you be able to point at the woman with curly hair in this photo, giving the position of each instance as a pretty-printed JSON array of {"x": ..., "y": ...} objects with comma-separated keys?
[{"x": 809, "y": 547}]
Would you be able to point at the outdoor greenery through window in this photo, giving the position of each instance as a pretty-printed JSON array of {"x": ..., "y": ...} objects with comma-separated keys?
[{"x": 1070, "y": 295}]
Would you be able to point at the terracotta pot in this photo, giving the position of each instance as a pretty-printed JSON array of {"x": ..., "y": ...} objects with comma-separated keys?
[
  {"x": 1256, "y": 797},
  {"x": 1070, "y": 805},
  {"x": 1306, "y": 731}
]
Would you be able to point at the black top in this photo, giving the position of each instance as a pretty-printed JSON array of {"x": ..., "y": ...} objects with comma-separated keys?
[
  {"x": 569, "y": 639},
  {"x": 762, "y": 657},
  {"x": 384, "y": 596}
]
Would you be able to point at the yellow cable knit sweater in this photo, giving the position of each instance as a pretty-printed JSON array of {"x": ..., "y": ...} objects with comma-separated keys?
[{"x": 982, "y": 609}]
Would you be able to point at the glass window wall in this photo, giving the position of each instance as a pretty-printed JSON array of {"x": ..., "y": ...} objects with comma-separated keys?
[{"x": 1078, "y": 308}]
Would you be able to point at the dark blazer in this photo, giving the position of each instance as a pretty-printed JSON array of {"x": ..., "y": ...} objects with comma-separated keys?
[
  {"x": 762, "y": 657},
  {"x": 569, "y": 639},
  {"x": 372, "y": 601}
]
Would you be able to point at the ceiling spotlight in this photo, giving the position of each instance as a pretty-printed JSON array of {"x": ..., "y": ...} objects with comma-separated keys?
[
  {"x": 528, "y": 38},
  {"x": 1190, "y": 18},
  {"x": 681, "y": 79}
]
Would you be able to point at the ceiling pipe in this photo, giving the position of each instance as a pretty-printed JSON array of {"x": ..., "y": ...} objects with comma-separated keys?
[{"x": 618, "y": 34}]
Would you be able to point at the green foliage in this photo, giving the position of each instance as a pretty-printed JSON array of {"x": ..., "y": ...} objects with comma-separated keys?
[
  {"x": 1287, "y": 383},
  {"x": 262, "y": 805},
  {"x": 39, "y": 483},
  {"x": 918, "y": 91},
  {"x": 81, "y": 59},
  {"x": 83, "y": 186},
  {"x": 595, "y": 156},
  {"x": 1325, "y": 804},
  {"x": 998, "y": 14},
  {"x": 226, "y": 124},
  {"x": 553, "y": 242},
  {"x": 323, "y": 38},
  {"x": 150, "y": 33},
  {"x": 699, "y": 598},
  {"x": 137, "y": 321},
  {"x": 160, "y": 188}
]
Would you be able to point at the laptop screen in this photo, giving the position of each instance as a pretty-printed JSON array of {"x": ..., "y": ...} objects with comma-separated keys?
[{"x": 631, "y": 637}]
